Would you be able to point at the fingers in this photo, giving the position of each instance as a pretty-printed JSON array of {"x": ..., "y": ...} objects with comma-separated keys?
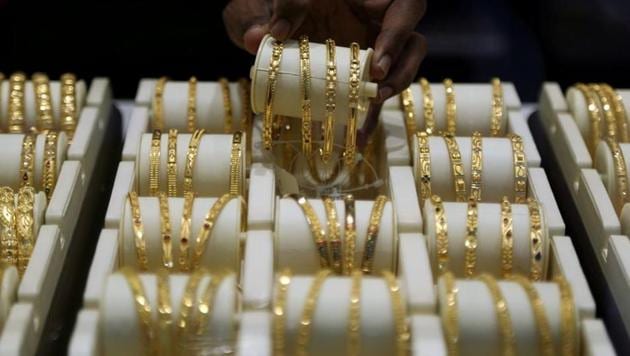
[
  {"x": 369, "y": 125},
  {"x": 288, "y": 16},
  {"x": 246, "y": 22},
  {"x": 405, "y": 69}
]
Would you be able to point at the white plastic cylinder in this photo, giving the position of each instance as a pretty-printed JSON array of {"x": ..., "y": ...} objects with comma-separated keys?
[{"x": 8, "y": 293}]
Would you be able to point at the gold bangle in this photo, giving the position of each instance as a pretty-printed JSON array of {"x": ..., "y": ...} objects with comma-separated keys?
[
  {"x": 604, "y": 105},
  {"x": 24, "y": 222},
  {"x": 406, "y": 101},
  {"x": 428, "y": 106},
  {"x": 8, "y": 240},
  {"x": 205, "y": 232},
  {"x": 476, "y": 166},
  {"x": 155, "y": 163},
  {"x": 143, "y": 308},
  {"x": 508, "y": 342},
  {"x": 246, "y": 117},
  {"x": 184, "y": 322},
  {"x": 279, "y": 312},
  {"x": 441, "y": 234},
  {"x": 68, "y": 110},
  {"x": 27, "y": 161},
  {"x": 165, "y": 229},
  {"x": 400, "y": 314},
  {"x": 423, "y": 165},
  {"x": 191, "y": 116},
  {"x": 350, "y": 234},
  {"x": 191, "y": 155},
  {"x": 228, "y": 117},
  {"x": 353, "y": 347},
  {"x": 318, "y": 234},
  {"x": 451, "y": 107},
  {"x": 184, "y": 233},
  {"x": 157, "y": 119},
  {"x": 545, "y": 338},
  {"x": 272, "y": 81},
  {"x": 536, "y": 240},
  {"x": 520, "y": 169},
  {"x": 308, "y": 311},
  {"x": 164, "y": 309},
  {"x": 333, "y": 234},
  {"x": 206, "y": 302},
  {"x": 497, "y": 107},
  {"x": 235, "y": 164},
  {"x": 349, "y": 153},
  {"x": 331, "y": 97},
  {"x": 618, "y": 107},
  {"x": 138, "y": 232},
  {"x": 507, "y": 243},
  {"x": 171, "y": 165},
  {"x": 471, "y": 242},
  {"x": 568, "y": 331},
  {"x": 369, "y": 249},
  {"x": 457, "y": 167},
  {"x": 305, "y": 89},
  {"x": 594, "y": 116},
  {"x": 450, "y": 314},
  {"x": 621, "y": 175},
  {"x": 43, "y": 103},
  {"x": 49, "y": 176},
  {"x": 16, "y": 108}
]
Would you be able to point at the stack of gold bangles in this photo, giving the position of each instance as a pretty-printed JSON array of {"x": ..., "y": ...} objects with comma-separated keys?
[{"x": 17, "y": 226}]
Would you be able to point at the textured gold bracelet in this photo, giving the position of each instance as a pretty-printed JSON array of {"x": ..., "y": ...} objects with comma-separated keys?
[
  {"x": 545, "y": 338},
  {"x": 68, "y": 111},
  {"x": 165, "y": 311},
  {"x": 317, "y": 232},
  {"x": 620, "y": 112},
  {"x": 308, "y": 311},
  {"x": 520, "y": 169},
  {"x": 235, "y": 164},
  {"x": 350, "y": 234},
  {"x": 350, "y": 150},
  {"x": 49, "y": 176},
  {"x": 471, "y": 242},
  {"x": 154, "y": 163},
  {"x": 508, "y": 342},
  {"x": 334, "y": 241},
  {"x": 189, "y": 299},
  {"x": 138, "y": 232},
  {"x": 353, "y": 347},
  {"x": 441, "y": 234},
  {"x": 507, "y": 243},
  {"x": 205, "y": 232},
  {"x": 450, "y": 314},
  {"x": 191, "y": 113},
  {"x": 272, "y": 82},
  {"x": 24, "y": 226},
  {"x": 228, "y": 117},
  {"x": 497, "y": 107},
  {"x": 428, "y": 106},
  {"x": 143, "y": 309},
  {"x": 423, "y": 165},
  {"x": 621, "y": 175},
  {"x": 206, "y": 302},
  {"x": 43, "y": 102},
  {"x": 406, "y": 101},
  {"x": 165, "y": 230},
  {"x": 369, "y": 249},
  {"x": 331, "y": 99},
  {"x": 536, "y": 240},
  {"x": 279, "y": 312},
  {"x": 451, "y": 107},
  {"x": 457, "y": 168},
  {"x": 16, "y": 108},
  {"x": 403, "y": 335},
  {"x": 305, "y": 90},
  {"x": 191, "y": 155},
  {"x": 476, "y": 163},
  {"x": 27, "y": 160},
  {"x": 568, "y": 332},
  {"x": 246, "y": 117},
  {"x": 157, "y": 119},
  {"x": 8, "y": 239},
  {"x": 606, "y": 109},
  {"x": 171, "y": 164},
  {"x": 594, "y": 117},
  {"x": 184, "y": 232}
]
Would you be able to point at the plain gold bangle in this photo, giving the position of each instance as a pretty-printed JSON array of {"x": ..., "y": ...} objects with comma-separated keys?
[
  {"x": 24, "y": 226},
  {"x": 165, "y": 230},
  {"x": 305, "y": 90},
  {"x": 138, "y": 232},
  {"x": 471, "y": 242},
  {"x": 191, "y": 114},
  {"x": 68, "y": 111},
  {"x": 184, "y": 321},
  {"x": 272, "y": 82},
  {"x": 476, "y": 161},
  {"x": 507, "y": 243},
  {"x": 457, "y": 168},
  {"x": 205, "y": 233},
  {"x": 520, "y": 169},
  {"x": 451, "y": 107},
  {"x": 536, "y": 240},
  {"x": 164, "y": 309},
  {"x": 621, "y": 175},
  {"x": 428, "y": 106},
  {"x": 49, "y": 176},
  {"x": 353, "y": 347},
  {"x": 246, "y": 117},
  {"x": 400, "y": 314},
  {"x": 606, "y": 108},
  {"x": 27, "y": 160},
  {"x": 235, "y": 164},
  {"x": 545, "y": 338},
  {"x": 143, "y": 309},
  {"x": 331, "y": 97},
  {"x": 497, "y": 107},
  {"x": 154, "y": 163},
  {"x": 369, "y": 249},
  {"x": 406, "y": 101},
  {"x": 157, "y": 119},
  {"x": 616, "y": 102},
  {"x": 171, "y": 165},
  {"x": 569, "y": 336},
  {"x": 191, "y": 155},
  {"x": 441, "y": 234},
  {"x": 16, "y": 108},
  {"x": 8, "y": 240},
  {"x": 349, "y": 153},
  {"x": 423, "y": 165},
  {"x": 594, "y": 117},
  {"x": 43, "y": 102},
  {"x": 184, "y": 233},
  {"x": 317, "y": 232},
  {"x": 279, "y": 312},
  {"x": 508, "y": 342},
  {"x": 450, "y": 314},
  {"x": 308, "y": 311},
  {"x": 206, "y": 302},
  {"x": 228, "y": 117},
  {"x": 350, "y": 234},
  {"x": 334, "y": 242}
]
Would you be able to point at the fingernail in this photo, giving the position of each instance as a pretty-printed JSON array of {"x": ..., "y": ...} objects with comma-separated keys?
[
  {"x": 280, "y": 30},
  {"x": 384, "y": 93},
  {"x": 384, "y": 63}
]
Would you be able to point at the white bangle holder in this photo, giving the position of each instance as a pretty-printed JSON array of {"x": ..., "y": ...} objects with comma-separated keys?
[{"x": 8, "y": 292}]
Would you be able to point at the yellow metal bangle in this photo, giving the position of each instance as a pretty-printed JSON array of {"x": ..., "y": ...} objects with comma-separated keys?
[
  {"x": 154, "y": 163},
  {"x": 165, "y": 230},
  {"x": 621, "y": 175},
  {"x": 349, "y": 153},
  {"x": 476, "y": 163},
  {"x": 403, "y": 336},
  {"x": 317, "y": 232},
  {"x": 43, "y": 102},
  {"x": 279, "y": 312},
  {"x": 331, "y": 97},
  {"x": 441, "y": 234},
  {"x": 27, "y": 160},
  {"x": 536, "y": 240},
  {"x": 545, "y": 337},
  {"x": 594, "y": 117},
  {"x": 143, "y": 309},
  {"x": 205, "y": 232},
  {"x": 49, "y": 176},
  {"x": 457, "y": 168},
  {"x": 171, "y": 164},
  {"x": 369, "y": 249},
  {"x": 24, "y": 226},
  {"x": 8, "y": 240},
  {"x": 507, "y": 243},
  {"x": 350, "y": 234},
  {"x": 189, "y": 299},
  {"x": 206, "y": 302},
  {"x": 165, "y": 311},
  {"x": 138, "y": 232},
  {"x": 508, "y": 342},
  {"x": 191, "y": 155},
  {"x": 428, "y": 106},
  {"x": 16, "y": 109},
  {"x": 272, "y": 81},
  {"x": 191, "y": 115},
  {"x": 308, "y": 311},
  {"x": 497, "y": 107},
  {"x": 471, "y": 242},
  {"x": 406, "y": 101},
  {"x": 450, "y": 314},
  {"x": 620, "y": 112},
  {"x": 69, "y": 111},
  {"x": 246, "y": 117},
  {"x": 305, "y": 89},
  {"x": 157, "y": 119},
  {"x": 235, "y": 164},
  {"x": 451, "y": 107},
  {"x": 423, "y": 166},
  {"x": 184, "y": 233},
  {"x": 353, "y": 347},
  {"x": 569, "y": 335},
  {"x": 606, "y": 108},
  {"x": 520, "y": 169},
  {"x": 334, "y": 241},
  {"x": 228, "y": 117}
]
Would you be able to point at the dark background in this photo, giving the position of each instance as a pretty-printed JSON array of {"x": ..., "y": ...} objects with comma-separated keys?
[{"x": 521, "y": 41}]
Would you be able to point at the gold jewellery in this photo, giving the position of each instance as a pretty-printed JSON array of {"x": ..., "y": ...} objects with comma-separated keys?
[
  {"x": 542, "y": 323},
  {"x": 318, "y": 233},
  {"x": 205, "y": 233},
  {"x": 350, "y": 234},
  {"x": 441, "y": 234},
  {"x": 184, "y": 232},
  {"x": 331, "y": 93},
  {"x": 164, "y": 309},
  {"x": 206, "y": 302},
  {"x": 457, "y": 167},
  {"x": 536, "y": 240},
  {"x": 272, "y": 81},
  {"x": 423, "y": 165},
  {"x": 305, "y": 89},
  {"x": 497, "y": 107},
  {"x": 68, "y": 111},
  {"x": 24, "y": 226},
  {"x": 191, "y": 113},
  {"x": 476, "y": 166},
  {"x": 171, "y": 163},
  {"x": 520, "y": 169},
  {"x": 157, "y": 120},
  {"x": 279, "y": 312},
  {"x": 235, "y": 163},
  {"x": 406, "y": 101},
  {"x": 334, "y": 242},
  {"x": 27, "y": 160},
  {"x": 450, "y": 314},
  {"x": 349, "y": 153},
  {"x": 621, "y": 174},
  {"x": 609, "y": 115},
  {"x": 154, "y": 163},
  {"x": 43, "y": 103},
  {"x": 184, "y": 322},
  {"x": 428, "y": 106},
  {"x": 191, "y": 155},
  {"x": 471, "y": 242},
  {"x": 507, "y": 243},
  {"x": 369, "y": 249},
  {"x": 227, "y": 105},
  {"x": 508, "y": 341},
  {"x": 451, "y": 107},
  {"x": 568, "y": 330},
  {"x": 138, "y": 232},
  {"x": 8, "y": 240},
  {"x": 165, "y": 230},
  {"x": 353, "y": 347},
  {"x": 594, "y": 116},
  {"x": 49, "y": 176},
  {"x": 246, "y": 116},
  {"x": 620, "y": 112},
  {"x": 398, "y": 305},
  {"x": 16, "y": 108},
  {"x": 306, "y": 320},
  {"x": 143, "y": 309}
]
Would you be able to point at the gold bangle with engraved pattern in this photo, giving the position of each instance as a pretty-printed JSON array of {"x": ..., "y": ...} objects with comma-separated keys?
[
  {"x": 228, "y": 117},
  {"x": 508, "y": 342},
  {"x": 457, "y": 167},
  {"x": 9, "y": 248},
  {"x": 138, "y": 232},
  {"x": 235, "y": 164},
  {"x": 423, "y": 165},
  {"x": 171, "y": 164},
  {"x": 369, "y": 249},
  {"x": 24, "y": 224},
  {"x": 349, "y": 153},
  {"x": 279, "y": 312},
  {"x": 206, "y": 302},
  {"x": 476, "y": 165},
  {"x": 49, "y": 176},
  {"x": 608, "y": 113},
  {"x": 308, "y": 311},
  {"x": 184, "y": 234},
  {"x": 621, "y": 175},
  {"x": 157, "y": 119},
  {"x": 350, "y": 234},
  {"x": 165, "y": 310},
  {"x": 594, "y": 117},
  {"x": 507, "y": 243},
  {"x": 450, "y": 314},
  {"x": 568, "y": 331},
  {"x": 353, "y": 347},
  {"x": 184, "y": 321},
  {"x": 403, "y": 335},
  {"x": 620, "y": 112},
  {"x": 441, "y": 234},
  {"x": 471, "y": 242},
  {"x": 68, "y": 110},
  {"x": 191, "y": 113},
  {"x": 305, "y": 90},
  {"x": 428, "y": 106},
  {"x": 154, "y": 163},
  {"x": 43, "y": 102},
  {"x": 334, "y": 241},
  {"x": 27, "y": 160},
  {"x": 143, "y": 309},
  {"x": 520, "y": 169},
  {"x": 272, "y": 81},
  {"x": 318, "y": 234},
  {"x": 246, "y": 117},
  {"x": 165, "y": 230},
  {"x": 497, "y": 107},
  {"x": 451, "y": 107},
  {"x": 16, "y": 107},
  {"x": 191, "y": 155},
  {"x": 545, "y": 338},
  {"x": 205, "y": 232},
  {"x": 331, "y": 96},
  {"x": 406, "y": 101},
  {"x": 536, "y": 240}
]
